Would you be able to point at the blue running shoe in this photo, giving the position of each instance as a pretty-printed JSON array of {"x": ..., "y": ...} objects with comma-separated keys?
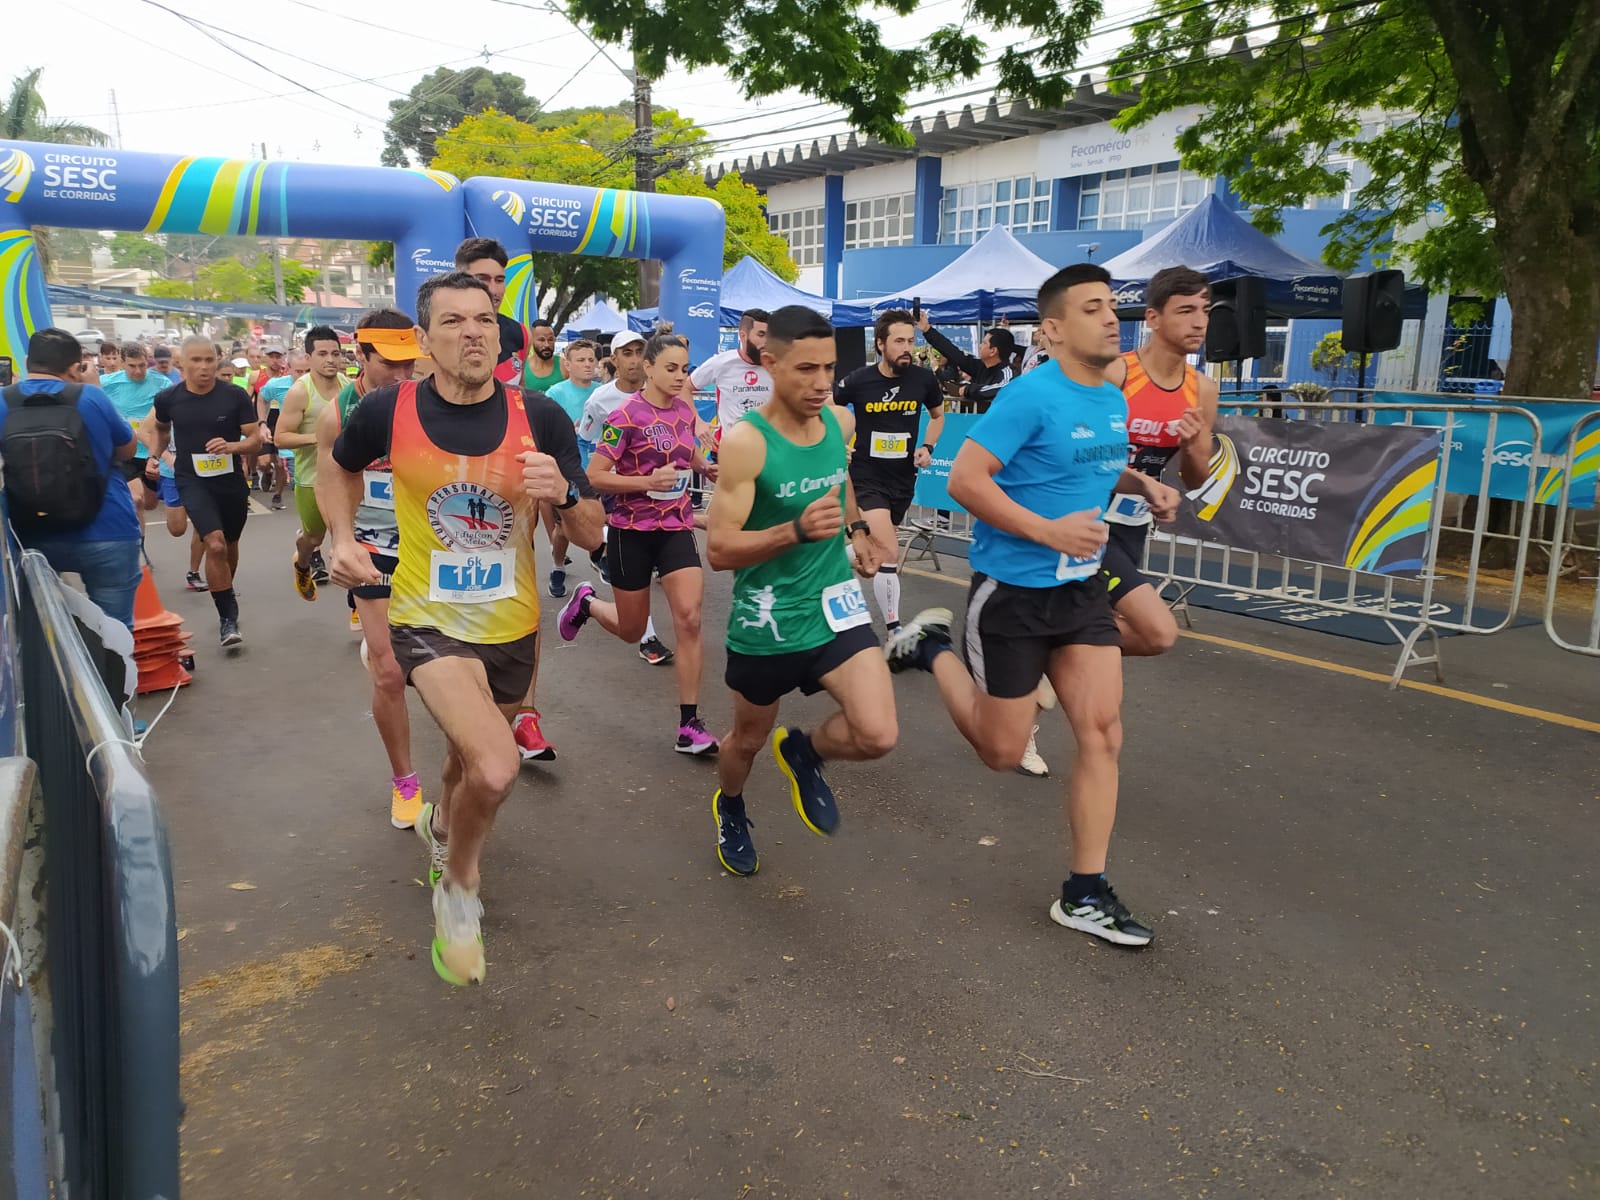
[
  {"x": 735, "y": 850},
  {"x": 813, "y": 798}
]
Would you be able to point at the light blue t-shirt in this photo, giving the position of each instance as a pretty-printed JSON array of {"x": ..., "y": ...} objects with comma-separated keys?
[
  {"x": 1061, "y": 446},
  {"x": 133, "y": 400},
  {"x": 275, "y": 389},
  {"x": 115, "y": 522},
  {"x": 571, "y": 397}
]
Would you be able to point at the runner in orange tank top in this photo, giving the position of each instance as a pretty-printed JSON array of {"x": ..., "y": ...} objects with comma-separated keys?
[
  {"x": 471, "y": 461},
  {"x": 1171, "y": 409}
]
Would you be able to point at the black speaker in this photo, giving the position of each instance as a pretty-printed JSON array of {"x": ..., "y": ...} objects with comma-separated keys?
[
  {"x": 1238, "y": 328},
  {"x": 852, "y": 347},
  {"x": 1374, "y": 306}
]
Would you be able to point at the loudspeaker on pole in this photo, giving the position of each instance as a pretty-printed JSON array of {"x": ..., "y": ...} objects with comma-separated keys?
[{"x": 1238, "y": 328}]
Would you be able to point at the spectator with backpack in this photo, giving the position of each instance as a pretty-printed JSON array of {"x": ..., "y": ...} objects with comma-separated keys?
[{"x": 61, "y": 441}]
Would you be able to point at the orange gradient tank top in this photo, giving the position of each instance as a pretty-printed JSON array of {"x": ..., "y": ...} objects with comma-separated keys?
[
  {"x": 1153, "y": 413},
  {"x": 466, "y": 532}
]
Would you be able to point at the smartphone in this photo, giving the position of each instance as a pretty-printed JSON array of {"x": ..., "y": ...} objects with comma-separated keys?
[
  {"x": 916, "y": 308},
  {"x": 5, "y": 371}
]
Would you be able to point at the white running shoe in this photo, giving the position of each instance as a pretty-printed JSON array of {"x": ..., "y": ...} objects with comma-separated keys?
[
  {"x": 1031, "y": 763},
  {"x": 438, "y": 852},
  {"x": 457, "y": 935}
]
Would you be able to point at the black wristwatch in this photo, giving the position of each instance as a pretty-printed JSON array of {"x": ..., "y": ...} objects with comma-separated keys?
[
  {"x": 572, "y": 497},
  {"x": 856, "y": 527},
  {"x": 928, "y": 446}
]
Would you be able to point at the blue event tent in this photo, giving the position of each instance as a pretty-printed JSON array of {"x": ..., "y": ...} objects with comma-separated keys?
[
  {"x": 746, "y": 284},
  {"x": 997, "y": 277},
  {"x": 1221, "y": 244},
  {"x": 601, "y": 318}
]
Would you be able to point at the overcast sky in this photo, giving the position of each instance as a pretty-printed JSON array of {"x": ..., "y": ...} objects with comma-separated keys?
[{"x": 180, "y": 91}]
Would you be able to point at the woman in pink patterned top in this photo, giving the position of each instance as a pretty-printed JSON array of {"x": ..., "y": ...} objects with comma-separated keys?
[{"x": 643, "y": 460}]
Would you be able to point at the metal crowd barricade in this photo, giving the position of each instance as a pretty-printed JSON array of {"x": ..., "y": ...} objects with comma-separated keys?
[
  {"x": 1565, "y": 538},
  {"x": 1412, "y": 610},
  {"x": 88, "y": 893}
]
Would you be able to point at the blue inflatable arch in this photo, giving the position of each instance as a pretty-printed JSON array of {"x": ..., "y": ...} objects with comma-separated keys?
[{"x": 684, "y": 232}]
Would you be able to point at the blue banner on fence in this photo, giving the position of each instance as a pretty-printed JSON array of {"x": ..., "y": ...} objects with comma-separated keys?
[
  {"x": 933, "y": 480},
  {"x": 1513, "y": 449}
]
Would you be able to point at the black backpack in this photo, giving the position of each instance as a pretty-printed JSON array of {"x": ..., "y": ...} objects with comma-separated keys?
[{"x": 52, "y": 481}]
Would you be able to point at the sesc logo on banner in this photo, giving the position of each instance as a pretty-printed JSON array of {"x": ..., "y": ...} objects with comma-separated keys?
[{"x": 70, "y": 176}]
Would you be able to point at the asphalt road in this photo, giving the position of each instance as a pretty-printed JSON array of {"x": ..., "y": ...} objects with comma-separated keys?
[{"x": 1374, "y": 973}]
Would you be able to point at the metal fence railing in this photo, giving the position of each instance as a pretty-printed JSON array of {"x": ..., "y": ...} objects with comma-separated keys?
[
  {"x": 1582, "y": 543},
  {"x": 89, "y": 1018}
]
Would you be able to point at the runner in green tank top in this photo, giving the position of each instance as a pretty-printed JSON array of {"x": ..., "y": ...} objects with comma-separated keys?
[
  {"x": 297, "y": 431},
  {"x": 542, "y": 370},
  {"x": 781, "y": 518}
]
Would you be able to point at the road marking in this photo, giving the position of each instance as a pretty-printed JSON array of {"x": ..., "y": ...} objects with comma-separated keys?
[{"x": 1433, "y": 689}]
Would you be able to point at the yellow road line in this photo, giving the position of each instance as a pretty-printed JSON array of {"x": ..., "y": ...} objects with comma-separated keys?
[{"x": 1434, "y": 689}]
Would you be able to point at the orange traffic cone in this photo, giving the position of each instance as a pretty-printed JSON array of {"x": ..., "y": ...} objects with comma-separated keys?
[{"x": 158, "y": 642}]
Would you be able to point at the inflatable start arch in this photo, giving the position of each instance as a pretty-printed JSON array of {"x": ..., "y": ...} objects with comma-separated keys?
[{"x": 424, "y": 213}]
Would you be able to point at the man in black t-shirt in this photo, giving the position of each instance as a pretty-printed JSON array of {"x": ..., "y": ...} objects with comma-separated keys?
[
  {"x": 888, "y": 398},
  {"x": 213, "y": 425}
]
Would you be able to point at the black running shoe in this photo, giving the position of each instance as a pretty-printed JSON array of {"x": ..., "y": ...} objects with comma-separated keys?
[
  {"x": 813, "y": 798},
  {"x": 1104, "y": 916},
  {"x": 735, "y": 850},
  {"x": 229, "y": 633},
  {"x": 655, "y": 652},
  {"x": 915, "y": 643},
  {"x": 319, "y": 569}
]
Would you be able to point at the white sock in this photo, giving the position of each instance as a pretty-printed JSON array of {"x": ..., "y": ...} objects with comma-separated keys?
[
  {"x": 649, "y": 630},
  {"x": 886, "y": 588}
]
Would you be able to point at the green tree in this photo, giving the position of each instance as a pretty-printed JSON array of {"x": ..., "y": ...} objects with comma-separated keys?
[
  {"x": 746, "y": 211},
  {"x": 1486, "y": 180},
  {"x": 593, "y": 149},
  {"x": 137, "y": 250},
  {"x": 297, "y": 279},
  {"x": 440, "y": 101}
]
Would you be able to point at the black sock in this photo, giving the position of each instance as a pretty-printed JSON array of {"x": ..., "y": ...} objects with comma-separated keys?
[
  {"x": 227, "y": 604},
  {"x": 1079, "y": 888},
  {"x": 687, "y": 713},
  {"x": 736, "y": 798}
]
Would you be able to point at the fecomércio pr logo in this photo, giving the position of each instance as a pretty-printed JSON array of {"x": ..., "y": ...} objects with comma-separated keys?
[
  {"x": 16, "y": 169},
  {"x": 422, "y": 259}
]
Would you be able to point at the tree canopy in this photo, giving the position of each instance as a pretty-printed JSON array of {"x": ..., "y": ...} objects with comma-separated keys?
[
  {"x": 230, "y": 279},
  {"x": 24, "y": 118},
  {"x": 595, "y": 149},
  {"x": 439, "y": 101}
]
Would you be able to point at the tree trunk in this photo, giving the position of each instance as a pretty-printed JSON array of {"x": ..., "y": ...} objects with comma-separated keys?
[{"x": 1552, "y": 281}]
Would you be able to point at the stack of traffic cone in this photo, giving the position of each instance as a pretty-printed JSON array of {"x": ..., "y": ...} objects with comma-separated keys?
[{"x": 160, "y": 646}]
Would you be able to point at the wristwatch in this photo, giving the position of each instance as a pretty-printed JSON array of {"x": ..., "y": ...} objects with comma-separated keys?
[
  {"x": 856, "y": 527},
  {"x": 928, "y": 446},
  {"x": 573, "y": 497}
]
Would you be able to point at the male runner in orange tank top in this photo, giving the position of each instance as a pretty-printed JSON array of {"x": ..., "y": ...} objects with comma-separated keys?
[{"x": 1171, "y": 409}]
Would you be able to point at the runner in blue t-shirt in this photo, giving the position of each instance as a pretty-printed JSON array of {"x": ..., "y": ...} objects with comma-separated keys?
[
  {"x": 269, "y": 403},
  {"x": 1036, "y": 472},
  {"x": 132, "y": 391}
]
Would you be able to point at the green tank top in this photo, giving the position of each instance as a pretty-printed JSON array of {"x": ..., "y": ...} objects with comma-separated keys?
[
  {"x": 541, "y": 383},
  {"x": 805, "y": 596},
  {"x": 305, "y": 457}
]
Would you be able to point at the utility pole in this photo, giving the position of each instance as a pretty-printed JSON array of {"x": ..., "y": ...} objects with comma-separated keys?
[
  {"x": 644, "y": 173},
  {"x": 277, "y": 272},
  {"x": 116, "y": 116}
]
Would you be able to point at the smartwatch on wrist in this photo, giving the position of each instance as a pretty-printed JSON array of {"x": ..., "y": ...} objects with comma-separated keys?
[
  {"x": 928, "y": 446},
  {"x": 572, "y": 497},
  {"x": 799, "y": 533},
  {"x": 856, "y": 527}
]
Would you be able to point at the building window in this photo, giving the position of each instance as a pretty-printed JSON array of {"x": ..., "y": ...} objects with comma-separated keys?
[
  {"x": 1132, "y": 198},
  {"x": 1021, "y": 204},
  {"x": 1357, "y": 173},
  {"x": 1274, "y": 363},
  {"x": 802, "y": 229},
  {"x": 880, "y": 221}
]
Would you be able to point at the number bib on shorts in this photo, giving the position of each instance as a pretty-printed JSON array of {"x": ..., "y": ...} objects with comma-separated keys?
[
  {"x": 676, "y": 489},
  {"x": 471, "y": 577},
  {"x": 377, "y": 489},
  {"x": 1076, "y": 566},
  {"x": 890, "y": 445},
  {"x": 844, "y": 606},
  {"x": 209, "y": 466},
  {"x": 1128, "y": 510}
]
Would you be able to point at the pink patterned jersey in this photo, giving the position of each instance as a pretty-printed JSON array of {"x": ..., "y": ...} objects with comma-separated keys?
[{"x": 641, "y": 438}]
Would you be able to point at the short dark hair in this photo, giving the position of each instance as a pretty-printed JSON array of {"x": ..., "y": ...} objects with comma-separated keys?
[
  {"x": 663, "y": 341},
  {"x": 1054, "y": 290},
  {"x": 52, "y": 351},
  {"x": 132, "y": 350},
  {"x": 541, "y": 323},
  {"x": 320, "y": 333},
  {"x": 1003, "y": 340},
  {"x": 161, "y": 352},
  {"x": 110, "y": 347},
  {"x": 473, "y": 249},
  {"x": 893, "y": 316},
  {"x": 583, "y": 344},
  {"x": 1173, "y": 281},
  {"x": 384, "y": 318},
  {"x": 753, "y": 316},
  {"x": 455, "y": 281},
  {"x": 794, "y": 322}
]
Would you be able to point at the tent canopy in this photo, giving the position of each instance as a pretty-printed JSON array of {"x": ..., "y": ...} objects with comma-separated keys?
[
  {"x": 997, "y": 277},
  {"x": 601, "y": 318},
  {"x": 1221, "y": 244},
  {"x": 746, "y": 284}
]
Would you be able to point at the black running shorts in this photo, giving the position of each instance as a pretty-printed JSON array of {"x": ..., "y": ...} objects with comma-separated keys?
[
  {"x": 386, "y": 566},
  {"x": 634, "y": 556},
  {"x": 1124, "y": 554},
  {"x": 1012, "y": 631},
  {"x": 508, "y": 665},
  {"x": 764, "y": 679},
  {"x": 216, "y": 504},
  {"x": 873, "y": 491}
]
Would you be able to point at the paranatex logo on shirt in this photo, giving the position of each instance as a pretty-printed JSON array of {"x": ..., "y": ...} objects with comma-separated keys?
[{"x": 468, "y": 516}]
